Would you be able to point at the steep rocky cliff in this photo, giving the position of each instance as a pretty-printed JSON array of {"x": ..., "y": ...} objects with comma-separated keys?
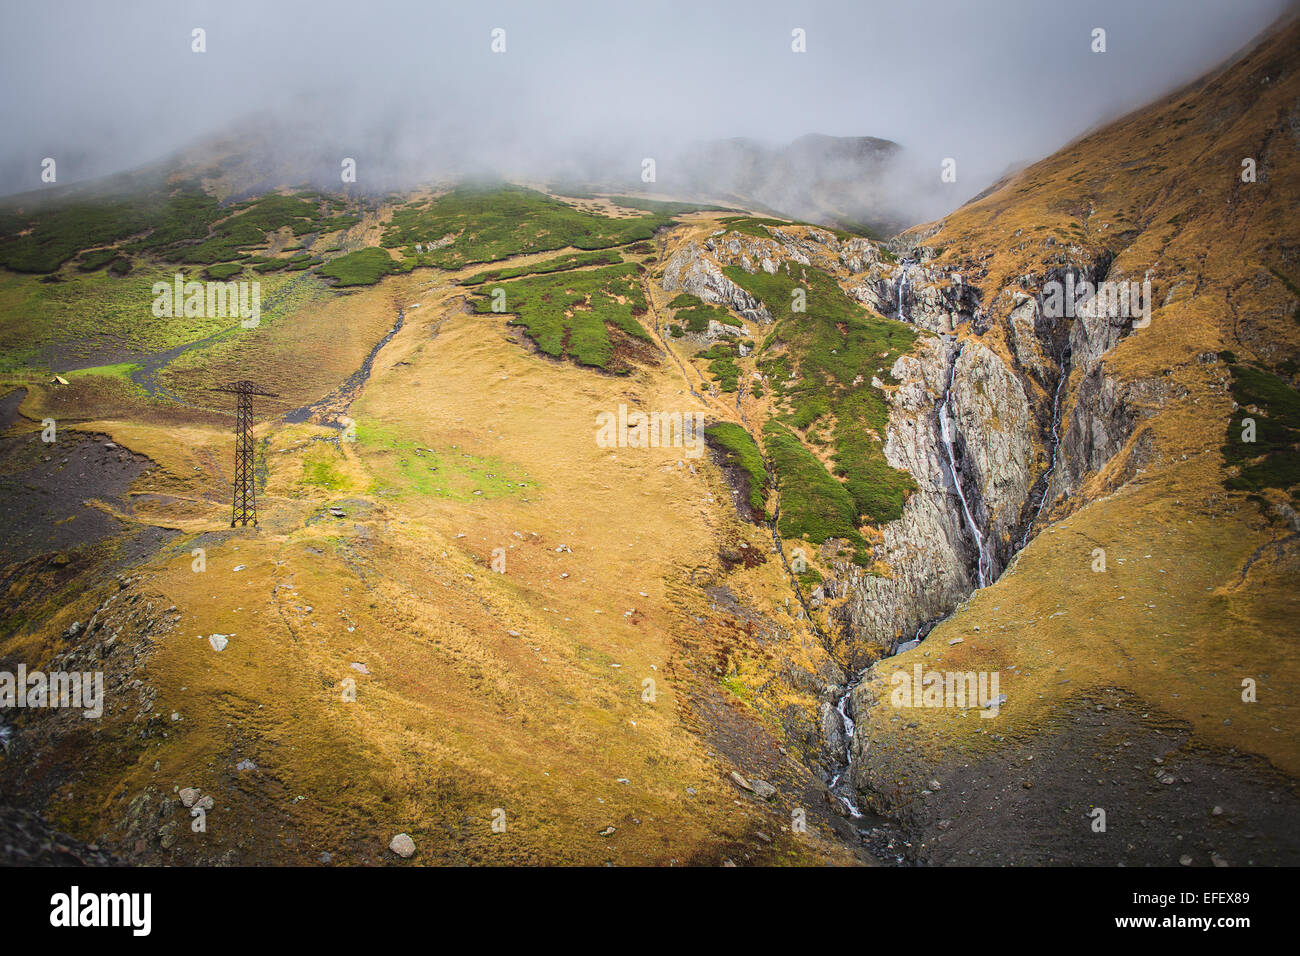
[{"x": 1109, "y": 443}]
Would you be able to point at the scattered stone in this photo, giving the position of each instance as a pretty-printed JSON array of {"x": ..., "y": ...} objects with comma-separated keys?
[
  {"x": 403, "y": 846},
  {"x": 338, "y": 512},
  {"x": 955, "y": 640},
  {"x": 189, "y": 796},
  {"x": 1218, "y": 860},
  {"x": 608, "y": 831},
  {"x": 240, "y": 567},
  {"x": 1185, "y": 860},
  {"x": 1217, "y": 811},
  {"x": 763, "y": 790},
  {"x": 741, "y": 782},
  {"x": 73, "y": 630},
  {"x": 206, "y": 803},
  {"x": 167, "y": 835},
  {"x": 360, "y": 668},
  {"x": 245, "y": 764},
  {"x": 325, "y": 858},
  {"x": 218, "y": 641},
  {"x": 934, "y": 785}
]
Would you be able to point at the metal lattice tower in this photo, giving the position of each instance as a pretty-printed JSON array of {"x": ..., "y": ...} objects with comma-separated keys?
[{"x": 245, "y": 503}]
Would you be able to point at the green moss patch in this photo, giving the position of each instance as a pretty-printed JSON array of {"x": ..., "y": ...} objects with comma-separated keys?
[
  {"x": 569, "y": 314},
  {"x": 834, "y": 348},
  {"x": 363, "y": 267},
  {"x": 403, "y": 467},
  {"x": 1272, "y": 460},
  {"x": 740, "y": 451},
  {"x": 578, "y": 260},
  {"x": 488, "y": 224}
]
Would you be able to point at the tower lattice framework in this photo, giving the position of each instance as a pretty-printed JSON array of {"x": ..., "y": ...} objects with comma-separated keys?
[{"x": 244, "y": 507}]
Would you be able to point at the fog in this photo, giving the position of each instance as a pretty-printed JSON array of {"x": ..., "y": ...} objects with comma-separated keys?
[{"x": 584, "y": 92}]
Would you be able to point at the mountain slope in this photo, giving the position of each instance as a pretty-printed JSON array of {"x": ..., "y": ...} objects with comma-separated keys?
[
  {"x": 485, "y": 608},
  {"x": 1137, "y": 668}
]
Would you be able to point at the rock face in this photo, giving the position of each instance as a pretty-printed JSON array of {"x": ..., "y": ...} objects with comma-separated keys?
[
  {"x": 1005, "y": 411},
  {"x": 912, "y": 292},
  {"x": 994, "y": 423},
  {"x": 1035, "y": 427},
  {"x": 689, "y": 270},
  {"x": 928, "y": 556},
  {"x": 27, "y": 839},
  {"x": 928, "y": 560},
  {"x": 1095, "y": 428}
]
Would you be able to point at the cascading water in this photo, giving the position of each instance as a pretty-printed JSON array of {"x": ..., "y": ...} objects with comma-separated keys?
[
  {"x": 902, "y": 287},
  {"x": 843, "y": 707},
  {"x": 983, "y": 564},
  {"x": 1046, "y": 479},
  {"x": 846, "y": 722},
  {"x": 983, "y": 570},
  {"x": 841, "y": 784}
]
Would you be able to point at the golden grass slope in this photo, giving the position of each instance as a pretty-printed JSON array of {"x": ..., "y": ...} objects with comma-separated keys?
[{"x": 556, "y": 696}]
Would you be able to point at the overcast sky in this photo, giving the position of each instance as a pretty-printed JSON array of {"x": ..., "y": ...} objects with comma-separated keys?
[{"x": 107, "y": 86}]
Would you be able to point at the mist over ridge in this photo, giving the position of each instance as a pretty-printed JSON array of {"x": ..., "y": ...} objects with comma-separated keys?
[{"x": 583, "y": 93}]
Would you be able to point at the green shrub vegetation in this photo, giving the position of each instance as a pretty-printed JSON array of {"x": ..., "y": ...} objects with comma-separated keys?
[
  {"x": 723, "y": 369},
  {"x": 752, "y": 226},
  {"x": 60, "y": 232},
  {"x": 363, "y": 267},
  {"x": 1272, "y": 460},
  {"x": 568, "y": 313},
  {"x": 814, "y": 505},
  {"x": 666, "y": 208},
  {"x": 577, "y": 260},
  {"x": 177, "y": 223},
  {"x": 740, "y": 451},
  {"x": 96, "y": 259},
  {"x": 834, "y": 348},
  {"x": 497, "y": 222},
  {"x": 693, "y": 313},
  {"x": 223, "y": 271}
]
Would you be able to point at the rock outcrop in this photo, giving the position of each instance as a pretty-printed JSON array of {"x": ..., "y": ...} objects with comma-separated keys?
[
  {"x": 690, "y": 270},
  {"x": 926, "y": 556},
  {"x": 994, "y": 423}
]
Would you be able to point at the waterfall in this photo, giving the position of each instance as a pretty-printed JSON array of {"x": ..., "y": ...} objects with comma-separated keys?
[
  {"x": 983, "y": 570},
  {"x": 902, "y": 287},
  {"x": 841, "y": 707},
  {"x": 1046, "y": 479},
  {"x": 982, "y": 565}
]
